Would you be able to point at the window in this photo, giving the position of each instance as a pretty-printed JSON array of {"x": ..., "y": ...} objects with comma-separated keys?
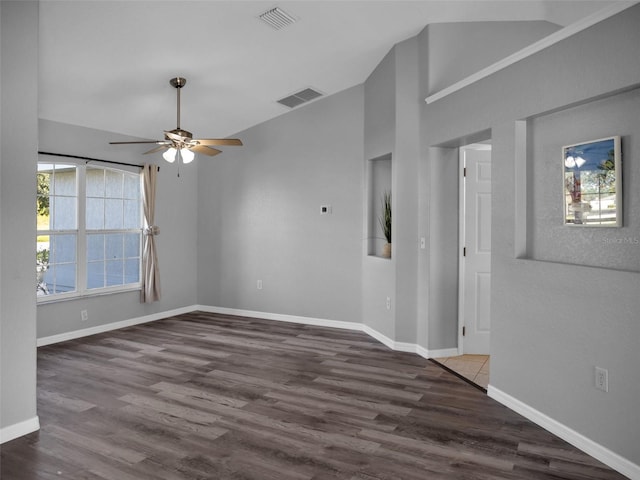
[{"x": 89, "y": 230}]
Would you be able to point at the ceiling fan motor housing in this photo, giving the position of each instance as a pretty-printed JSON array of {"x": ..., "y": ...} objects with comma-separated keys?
[
  {"x": 178, "y": 131},
  {"x": 178, "y": 82}
]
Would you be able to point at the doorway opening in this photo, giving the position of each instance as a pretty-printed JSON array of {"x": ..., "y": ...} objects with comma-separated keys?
[{"x": 474, "y": 266}]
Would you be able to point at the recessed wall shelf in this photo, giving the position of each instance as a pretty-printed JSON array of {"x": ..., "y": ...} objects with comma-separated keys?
[{"x": 378, "y": 183}]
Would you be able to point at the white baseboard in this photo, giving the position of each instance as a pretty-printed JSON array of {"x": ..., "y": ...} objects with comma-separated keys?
[
  {"x": 444, "y": 352},
  {"x": 318, "y": 322},
  {"x": 19, "y": 429},
  {"x": 597, "y": 451},
  {"x": 383, "y": 339},
  {"x": 85, "y": 332}
]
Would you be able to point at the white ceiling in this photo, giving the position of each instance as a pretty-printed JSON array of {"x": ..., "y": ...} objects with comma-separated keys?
[{"x": 107, "y": 64}]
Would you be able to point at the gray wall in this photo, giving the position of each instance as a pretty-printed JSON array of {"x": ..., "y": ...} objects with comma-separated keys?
[
  {"x": 175, "y": 215},
  {"x": 378, "y": 274},
  {"x": 19, "y": 144},
  {"x": 442, "y": 312},
  {"x": 549, "y": 331},
  {"x": 259, "y": 214},
  {"x": 550, "y": 239},
  {"x": 406, "y": 186},
  {"x": 458, "y": 50}
]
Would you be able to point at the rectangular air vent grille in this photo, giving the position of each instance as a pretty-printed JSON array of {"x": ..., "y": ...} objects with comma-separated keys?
[
  {"x": 300, "y": 97},
  {"x": 277, "y": 18}
]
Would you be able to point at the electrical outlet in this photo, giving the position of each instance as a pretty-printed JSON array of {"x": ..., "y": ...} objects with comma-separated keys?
[
  {"x": 259, "y": 284},
  {"x": 84, "y": 315},
  {"x": 602, "y": 379},
  {"x": 423, "y": 242},
  {"x": 388, "y": 303}
]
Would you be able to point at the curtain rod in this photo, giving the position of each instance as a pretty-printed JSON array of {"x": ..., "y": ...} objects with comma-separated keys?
[{"x": 89, "y": 159}]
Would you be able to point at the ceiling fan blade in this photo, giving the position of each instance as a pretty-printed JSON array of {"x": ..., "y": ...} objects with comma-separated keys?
[
  {"x": 218, "y": 141},
  {"x": 206, "y": 150},
  {"x": 143, "y": 141},
  {"x": 157, "y": 149}
]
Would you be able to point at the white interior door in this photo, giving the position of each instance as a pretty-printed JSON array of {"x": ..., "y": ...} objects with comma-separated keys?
[{"x": 475, "y": 260}]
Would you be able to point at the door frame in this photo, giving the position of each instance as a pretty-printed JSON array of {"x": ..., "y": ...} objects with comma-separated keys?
[{"x": 462, "y": 233}]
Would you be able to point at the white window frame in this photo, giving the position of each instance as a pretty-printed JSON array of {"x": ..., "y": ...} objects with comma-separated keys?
[{"x": 81, "y": 233}]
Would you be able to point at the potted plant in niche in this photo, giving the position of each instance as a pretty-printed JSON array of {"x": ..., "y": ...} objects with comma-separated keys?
[{"x": 385, "y": 222}]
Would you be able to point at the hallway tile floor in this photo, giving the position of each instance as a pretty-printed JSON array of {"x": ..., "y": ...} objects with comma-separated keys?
[{"x": 472, "y": 367}]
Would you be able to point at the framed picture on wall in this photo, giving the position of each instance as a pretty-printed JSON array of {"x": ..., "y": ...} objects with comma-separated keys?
[{"x": 592, "y": 176}]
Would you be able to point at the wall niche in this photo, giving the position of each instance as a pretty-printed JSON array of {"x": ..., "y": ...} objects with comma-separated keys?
[
  {"x": 378, "y": 186},
  {"x": 548, "y": 237}
]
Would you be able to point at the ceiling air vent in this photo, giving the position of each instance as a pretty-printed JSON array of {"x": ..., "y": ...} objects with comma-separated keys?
[
  {"x": 298, "y": 98},
  {"x": 277, "y": 18}
]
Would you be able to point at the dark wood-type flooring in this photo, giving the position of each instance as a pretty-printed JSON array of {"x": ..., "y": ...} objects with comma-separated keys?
[{"x": 203, "y": 396}]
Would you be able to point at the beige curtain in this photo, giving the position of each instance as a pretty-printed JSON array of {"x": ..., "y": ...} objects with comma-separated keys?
[{"x": 150, "y": 270}]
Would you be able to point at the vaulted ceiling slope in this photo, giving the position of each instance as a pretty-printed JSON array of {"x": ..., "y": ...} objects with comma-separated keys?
[{"x": 107, "y": 64}]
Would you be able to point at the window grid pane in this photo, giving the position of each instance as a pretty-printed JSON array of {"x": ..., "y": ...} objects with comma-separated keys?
[
  {"x": 114, "y": 272},
  {"x": 56, "y": 269},
  {"x": 95, "y": 213},
  {"x": 113, "y": 184},
  {"x": 95, "y": 275},
  {"x": 113, "y": 214},
  {"x": 95, "y": 247}
]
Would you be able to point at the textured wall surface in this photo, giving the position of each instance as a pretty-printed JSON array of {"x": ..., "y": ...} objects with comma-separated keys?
[
  {"x": 259, "y": 215},
  {"x": 551, "y": 240},
  {"x": 458, "y": 50}
]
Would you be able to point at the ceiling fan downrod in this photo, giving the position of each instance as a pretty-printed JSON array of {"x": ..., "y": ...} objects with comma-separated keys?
[{"x": 178, "y": 83}]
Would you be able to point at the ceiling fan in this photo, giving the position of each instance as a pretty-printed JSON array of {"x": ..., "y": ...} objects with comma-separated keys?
[{"x": 180, "y": 143}]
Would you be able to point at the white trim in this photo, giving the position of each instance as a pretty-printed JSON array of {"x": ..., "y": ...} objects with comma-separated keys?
[
  {"x": 423, "y": 352},
  {"x": 576, "y": 439},
  {"x": 444, "y": 352},
  {"x": 536, "y": 47},
  {"x": 19, "y": 429},
  {"x": 405, "y": 347},
  {"x": 320, "y": 322},
  {"x": 85, "y": 332},
  {"x": 383, "y": 339}
]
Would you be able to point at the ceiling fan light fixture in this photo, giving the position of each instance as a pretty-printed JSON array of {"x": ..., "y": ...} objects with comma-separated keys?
[
  {"x": 170, "y": 155},
  {"x": 187, "y": 155}
]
